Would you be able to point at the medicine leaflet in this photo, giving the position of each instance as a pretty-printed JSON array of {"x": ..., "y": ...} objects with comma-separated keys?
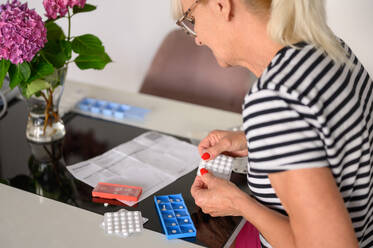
[{"x": 151, "y": 161}]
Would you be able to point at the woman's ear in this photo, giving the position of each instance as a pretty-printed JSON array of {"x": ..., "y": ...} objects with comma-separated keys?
[{"x": 224, "y": 8}]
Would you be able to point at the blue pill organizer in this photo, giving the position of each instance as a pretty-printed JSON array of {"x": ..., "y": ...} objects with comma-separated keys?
[
  {"x": 109, "y": 110},
  {"x": 174, "y": 216}
]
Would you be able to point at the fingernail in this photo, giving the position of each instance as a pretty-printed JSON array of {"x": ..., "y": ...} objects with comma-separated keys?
[
  {"x": 205, "y": 156},
  {"x": 203, "y": 171}
]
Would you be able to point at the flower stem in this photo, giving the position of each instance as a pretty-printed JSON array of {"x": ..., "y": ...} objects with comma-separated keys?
[
  {"x": 69, "y": 27},
  {"x": 49, "y": 110}
]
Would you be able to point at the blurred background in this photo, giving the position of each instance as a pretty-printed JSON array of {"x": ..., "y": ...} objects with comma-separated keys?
[{"x": 132, "y": 32}]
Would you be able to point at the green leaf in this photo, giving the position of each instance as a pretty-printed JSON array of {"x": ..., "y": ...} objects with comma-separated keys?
[
  {"x": 53, "y": 20},
  {"x": 54, "y": 52},
  {"x": 40, "y": 69},
  {"x": 4, "y": 181},
  {"x": 87, "y": 8},
  {"x": 92, "y": 61},
  {"x": 4, "y": 67},
  {"x": 15, "y": 76},
  {"x": 87, "y": 44},
  {"x": 66, "y": 48},
  {"x": 36, "y": 86},
  {"x": 54, "y": 32},
  {"x": 25, "y": 70}
]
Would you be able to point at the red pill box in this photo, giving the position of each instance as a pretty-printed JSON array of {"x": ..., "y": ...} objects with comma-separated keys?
[{"x": 117, "y": 191}]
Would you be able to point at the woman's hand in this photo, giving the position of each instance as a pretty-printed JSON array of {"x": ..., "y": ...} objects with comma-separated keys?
[
  {"x": 232, "y": 143},
  {"x": 216, "y": 196}
]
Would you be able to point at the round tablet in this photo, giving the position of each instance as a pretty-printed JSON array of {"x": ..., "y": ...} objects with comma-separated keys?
[
  {"x": 173, "y": 231},
  {"x": 169, "y": 216},
  {"x": 173, "y": 224}
]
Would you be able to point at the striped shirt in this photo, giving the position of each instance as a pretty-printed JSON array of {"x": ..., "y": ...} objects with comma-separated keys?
[{"x": 305, "y": 112}]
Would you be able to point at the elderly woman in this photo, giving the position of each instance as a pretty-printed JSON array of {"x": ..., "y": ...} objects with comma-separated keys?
[{"x": 307, "y": 120}]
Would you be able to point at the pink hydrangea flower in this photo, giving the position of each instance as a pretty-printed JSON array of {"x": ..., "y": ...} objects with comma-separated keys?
[
  {"x": 22, "y": 32},
  {"x": 79, "y": 3},
  {"x": 59, "y": 8},
  {"x": 55, "y": 7}
]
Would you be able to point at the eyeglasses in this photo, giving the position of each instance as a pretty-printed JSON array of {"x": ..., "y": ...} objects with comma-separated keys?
[{"x": 186, "y": 22}]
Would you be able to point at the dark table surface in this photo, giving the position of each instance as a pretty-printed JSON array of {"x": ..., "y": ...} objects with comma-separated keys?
[{"x": 41, "y": 169}]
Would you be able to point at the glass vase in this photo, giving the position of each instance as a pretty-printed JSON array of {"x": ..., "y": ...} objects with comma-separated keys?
[{"x": 44, "y": 123}]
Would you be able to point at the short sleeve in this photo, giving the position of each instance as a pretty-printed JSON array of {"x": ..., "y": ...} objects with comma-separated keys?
[{"x": 282, "y": 134}]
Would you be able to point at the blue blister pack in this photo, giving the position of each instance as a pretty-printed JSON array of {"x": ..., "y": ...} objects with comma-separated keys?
[
  {"x": 174, "y": 216},
  {"x": 110, "y": 110}
]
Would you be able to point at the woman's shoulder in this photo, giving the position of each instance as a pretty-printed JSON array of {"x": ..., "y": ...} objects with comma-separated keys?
[{"x": 306, "y": 74}]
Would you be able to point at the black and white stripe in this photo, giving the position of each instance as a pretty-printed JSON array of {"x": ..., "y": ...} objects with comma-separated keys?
[{"x": 305, "y": 111}]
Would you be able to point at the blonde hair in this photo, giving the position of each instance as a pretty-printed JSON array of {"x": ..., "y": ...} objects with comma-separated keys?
[
  {"x": 176, "y": 9},
  {"x": 292, "y": 21}
]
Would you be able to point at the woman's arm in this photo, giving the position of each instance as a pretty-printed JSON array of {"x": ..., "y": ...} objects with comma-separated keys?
[{"x": 317, "y": 215}]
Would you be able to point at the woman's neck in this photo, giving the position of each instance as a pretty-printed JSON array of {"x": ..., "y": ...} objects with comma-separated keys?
[{"x": 253, "y": 47}]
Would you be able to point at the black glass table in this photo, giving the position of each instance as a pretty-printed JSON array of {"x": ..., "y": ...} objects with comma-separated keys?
[{"x": 41, "y": 169}]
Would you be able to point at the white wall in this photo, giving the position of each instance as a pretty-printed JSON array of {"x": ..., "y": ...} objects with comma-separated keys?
[
  {"x": 132, "y": 31},
  {"x": 352, "y": 21}
]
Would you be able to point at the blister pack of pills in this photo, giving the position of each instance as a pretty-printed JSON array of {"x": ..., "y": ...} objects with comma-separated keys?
[
  {"x": 117, "y": 191},
  {"x": 221, "y": 166},
  {"x": 123, "y": 223},
  {"x": 174, "y": 216},
  {"x": 109, "y": 110}
]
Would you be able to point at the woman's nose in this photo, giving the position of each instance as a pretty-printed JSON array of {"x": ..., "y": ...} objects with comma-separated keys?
[{"x": 197, "y": 41}]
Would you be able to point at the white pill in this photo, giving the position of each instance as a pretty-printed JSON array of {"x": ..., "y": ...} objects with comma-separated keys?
[
  {"x": 169, "y": 216},
  {"x": 173, "y": 231},
  {"x": 185, "y": 220},
  {"x": 178, "y": 215},
  {"x": 173, "y": 224},
  {"x": 181, "y": 207},
  {"x": 190, "y": 230}
]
